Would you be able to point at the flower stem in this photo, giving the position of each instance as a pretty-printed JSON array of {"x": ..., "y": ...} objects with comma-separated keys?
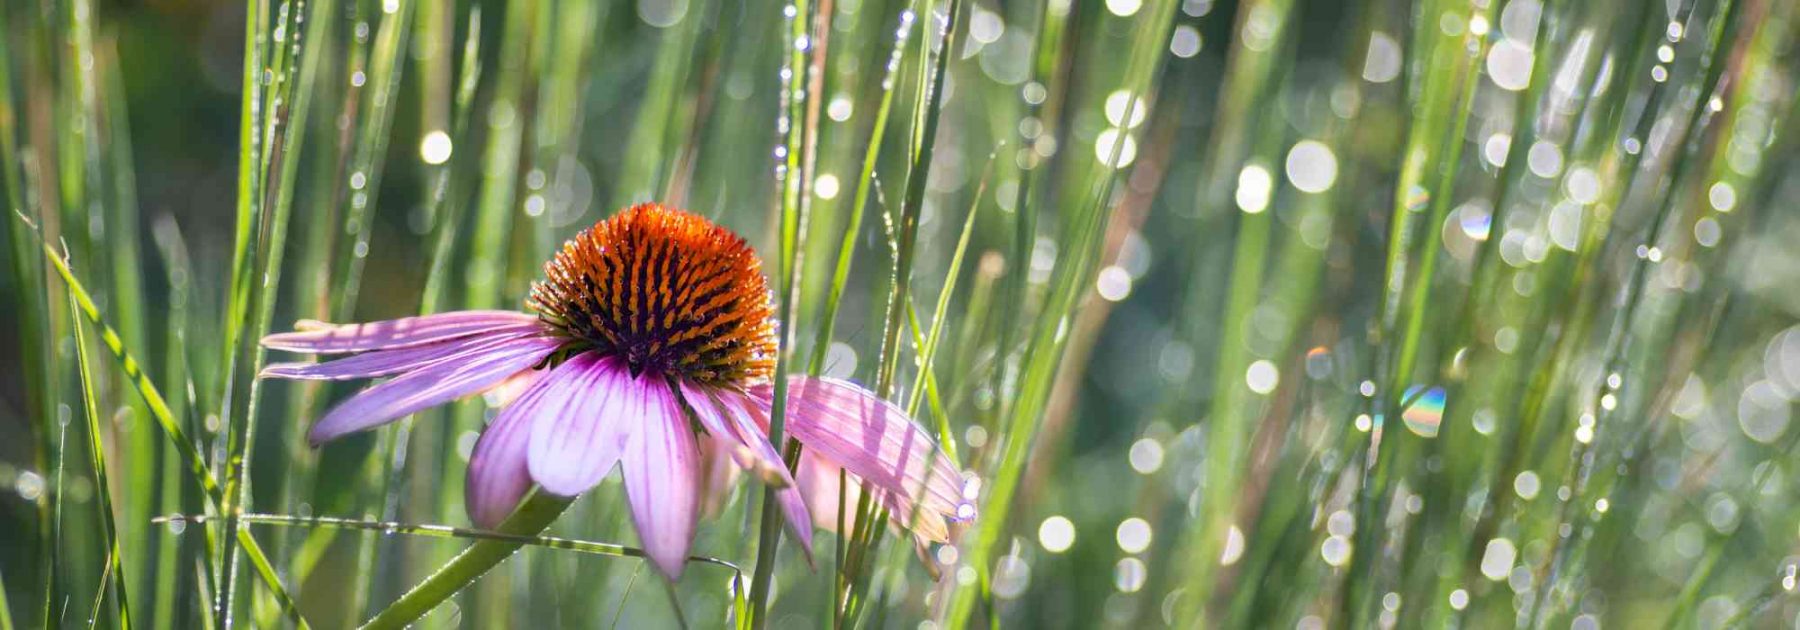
[{"x": 533, "y": 516}]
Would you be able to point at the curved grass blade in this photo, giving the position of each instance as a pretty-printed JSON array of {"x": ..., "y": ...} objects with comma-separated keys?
[
  {"x": 185, "y": 447},
  {"x": 1074, "y": 273},
  {"x": 109, "y": 531}
]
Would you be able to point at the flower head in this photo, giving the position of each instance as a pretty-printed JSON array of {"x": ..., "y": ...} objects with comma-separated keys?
[
  {"x": 649, "y": 324},
  {"x": 665, "y": 291}
]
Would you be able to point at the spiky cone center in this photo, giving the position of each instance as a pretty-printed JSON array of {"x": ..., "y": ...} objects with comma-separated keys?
[{"x": 667, "y": 291}]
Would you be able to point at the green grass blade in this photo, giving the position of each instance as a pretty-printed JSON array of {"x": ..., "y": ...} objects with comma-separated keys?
[
  {"x": 159, "y": 410},
  {"x": 109, "y": 530}
]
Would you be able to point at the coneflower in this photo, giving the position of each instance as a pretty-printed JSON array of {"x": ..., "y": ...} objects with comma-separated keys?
[{"x": 643, "y": 322}]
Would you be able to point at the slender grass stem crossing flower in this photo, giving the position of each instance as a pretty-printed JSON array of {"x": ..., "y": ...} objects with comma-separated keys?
[{"x": 652, "y": 332}]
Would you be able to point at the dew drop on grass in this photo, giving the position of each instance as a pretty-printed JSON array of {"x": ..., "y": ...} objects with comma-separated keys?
[
  {"x": 1056, "y": 534},
  {"x": 1234, "y": 546},
  {"x": 1382, "y": 63},
  {"x": 1134, "y": 535},
  {"x": 1011, "y": 577},
  {"x": 1262, "y": 376},
  {"x": 1526, "y": 485},
  {"x": 1335, "y": 550},
  {"x": 1146, "y": 456},
  {"x": 1497, "y": 561},
  {"x": 1185, "y": 42},
  {"x": 1311, "y": 166},
  {"x": 29, "y": 485},
  {"x": 1113, "y": 283},
  {"x": 1129, "y": 575}
]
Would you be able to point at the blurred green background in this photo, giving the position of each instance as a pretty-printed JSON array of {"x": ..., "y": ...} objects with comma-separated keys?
[{"x": 1212, "y": 249}]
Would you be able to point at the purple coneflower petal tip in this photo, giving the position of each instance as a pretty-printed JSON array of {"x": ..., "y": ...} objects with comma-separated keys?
[
  {"x": 431, "y": 385},
  {"x": 319, "y": 338},
  {"x": 849, "y": 427}
]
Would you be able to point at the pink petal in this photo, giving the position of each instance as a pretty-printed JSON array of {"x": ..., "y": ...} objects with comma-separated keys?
[
  {"x": 750, "y": 423},
  {"x": 731, "y": 418},
  {"x": 576, "y": 445},
  {"x": 876, "y": 441},
  {"x": 723, "y": 414},
  {"x": 662, "y": 480},
  {"x": 498, "y": 476},
  {"x": 387, "y": 362},
  {"x": 429, "y": 386},
  {"x": 819, "y": 481},
  {"x": 396, "y": 333}
]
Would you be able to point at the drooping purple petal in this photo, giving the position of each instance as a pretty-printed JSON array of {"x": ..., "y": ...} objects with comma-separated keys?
[
  {"x": 576, "y": 445},
  {"x": 662, "y": 480},
  {"x": 388, "y": 362},
  {"x": 721, "y": 412},
  {"x": 874, "y": 440},
  {"x": 396, "y": 333},
  {"x": 735, "y": 417},
  {"x": 431, "y": 385},
  {"x": 498, "y": 476}
]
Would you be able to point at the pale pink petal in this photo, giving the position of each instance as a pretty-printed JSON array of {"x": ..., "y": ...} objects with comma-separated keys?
[
  {"x": 819, "y": 482},
  {"x": 746, "y": 419},
  {"x": 723, "y": 413},
  {"x": 874, "y": 440},
  {"x": 662, "y": 480},
  {"x": 728, "y": 417},
  {"x": 429, "y": 386},
  {"x": 718, "y": 474},
  {"x": 498, "y": 476},
  {"x": 388, "y": 362},
  {"x": 575, "y": 447},
  {"x": 395, "y": 333}
]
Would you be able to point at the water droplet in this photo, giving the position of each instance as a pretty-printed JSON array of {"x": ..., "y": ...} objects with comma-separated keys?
[
  {"x": 1134, "y": 535},
  {"x": 1056, "y": 534}
]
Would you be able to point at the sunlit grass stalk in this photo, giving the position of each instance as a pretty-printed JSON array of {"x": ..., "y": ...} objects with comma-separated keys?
[
  {"x": 1050, "y": 66},
  {"x": 444, "y": 200},
  {"x": 171, "y": 553},
  {"x": 298, "y": 61},
  {"x": 533, "y": 516},
  {"x": 54, "y": 593},
  {"x": 790, "y": 177},
  {"x": 385, "y": 66},
  {"x": 925, "y": 387},
  {"x": 1252, "y": 71},
  {"x": 649, "y": 168},
  {"x": 1426, "y": 182},
  {"x": 1610, "y": 114},
  {"x": 1713, "y": 84},
  {"x": 1082, "y": 233},
  {"x": 846, "y": 255},
  {"x": 37, "y": 360},
  {"x": 250, "y": 223},
  {"x": 6, "y": 620},
  {"x": 109, "y": 530},
  {"x": 499, "y": 163},
  {"x": 1461, "y": 333},
  {"x": 138, "y": 444},
  {"x": 865, "y": 181},
  {"x": 857, "y": 569}
]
